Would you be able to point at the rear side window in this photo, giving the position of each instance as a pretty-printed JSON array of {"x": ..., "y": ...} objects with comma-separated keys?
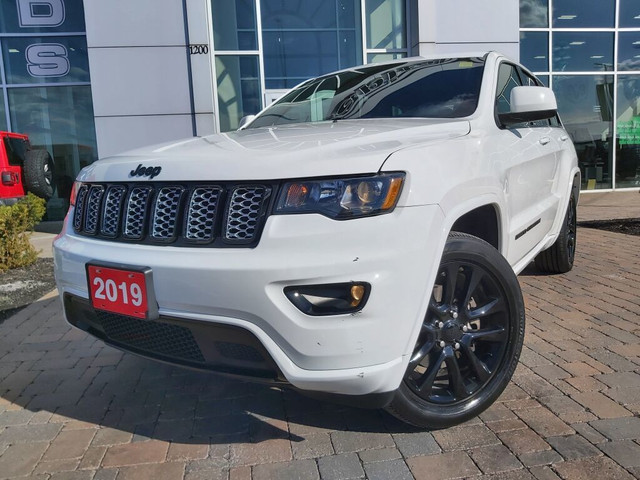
[{"x": 16, "y": 149}]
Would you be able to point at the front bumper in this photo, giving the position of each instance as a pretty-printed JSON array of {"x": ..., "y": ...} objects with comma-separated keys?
[{"x": 355, "y": 354}]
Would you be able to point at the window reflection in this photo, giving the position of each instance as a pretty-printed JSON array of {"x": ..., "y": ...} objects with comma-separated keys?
[
  {"x": 278, "y": 14},
  {"x": 45, "y": 60},
  {"x": 629, "y": 51},
  {"x": 544, "y": 79},
  {"x": 534, "y": 51},
  {"x": 629, "y": 16},
  {"x": 306, "y": 39},
  {"x": 73, "y": 17},
  {"x": 238, "y": 89},
  {"x": 582, "y": 51},
  {"x": 534, "y": 13},
  {"x": 508, "y": 79},
  {"x": 583, "y": 13},
  {"x": 234, "y": 25},
  {"x": 287, "y": 58},
  {"x": 384, "y": 57},
  {"x": 628, "y": 132},
  {"x": 428, "y": 89},
  {"x": 585, "y": 104},
  {"x": 60, "y": 120},
  {"x": 3, "y": 113},
  {"x": 386, "y": 24}
]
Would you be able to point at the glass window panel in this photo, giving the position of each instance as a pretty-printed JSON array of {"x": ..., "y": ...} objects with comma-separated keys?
[
  {"x": 582, "y": 51},
  {"x": 629, "y": 16},
  {"x": 583, "y": 13},
  {"x": 282, "y": 14},
  {"x": 3, "y": 113},
  {"x": 238, "y": 83},
  {"x": 289, "y": 54},
  {"x": 279, "y": 14},
  {"x": 283, "y": 83},
  {"x": 544, "y": 79},
  {"x": 349, "y": 14},
  {"x": 585, "y": 104},
  {"x": 534, "y": 51},
  {"x": 628, "y": 133},
  {"x": 534, "y": 13},
  {"x": 350, "y": 49},
  {"x": 384, "y": 57},
  {"x": 508, "y": 79},
  {"x": 307, "y": 39},
  {"x": 45, "y": 60},
  {"x": 60, "y": 120},
  {"x": 45, "y": 16},
  {"x": 386, "y": 24},
  {"x": 234, "y": 25},
  {"x": 629, "y": 51}
]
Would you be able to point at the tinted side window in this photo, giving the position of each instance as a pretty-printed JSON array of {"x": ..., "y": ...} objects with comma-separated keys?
[
  {"x": 532, "y": 81},
  {"x": 508, "y": 78}
]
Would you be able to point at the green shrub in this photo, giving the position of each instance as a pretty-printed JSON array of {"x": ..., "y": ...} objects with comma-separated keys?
[{"x": 16, "y": 223}]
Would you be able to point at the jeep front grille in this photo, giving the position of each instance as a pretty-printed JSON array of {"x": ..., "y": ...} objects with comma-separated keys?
[
  {"x": 243, "y": 212},
  {"x": 178, "y": 214}
]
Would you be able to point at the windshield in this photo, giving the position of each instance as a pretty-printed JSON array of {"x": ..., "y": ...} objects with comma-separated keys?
[{"x": 445, "y": 88}]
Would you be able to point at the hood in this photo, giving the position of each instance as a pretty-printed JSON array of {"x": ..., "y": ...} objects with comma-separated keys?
[{"x": 286, "y": 151}]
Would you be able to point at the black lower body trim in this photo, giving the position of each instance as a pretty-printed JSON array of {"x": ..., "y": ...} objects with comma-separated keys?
[
  {"x": 219, "y": 348},
  {"x": 202, "y": 345},
  {"x": 369, "y": 401}
]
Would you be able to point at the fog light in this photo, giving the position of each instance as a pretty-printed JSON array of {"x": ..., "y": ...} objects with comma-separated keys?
[
  {"x": 330, "y": 299},
  {"x": 357, "y": 294}
]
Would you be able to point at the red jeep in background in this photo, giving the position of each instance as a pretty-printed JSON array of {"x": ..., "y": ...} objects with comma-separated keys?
[{"x": 23, "y": 169}]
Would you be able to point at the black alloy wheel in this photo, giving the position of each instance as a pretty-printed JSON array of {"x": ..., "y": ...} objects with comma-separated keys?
[
  {"x": 571, "y": 226},
  {"x": 470, "y": 340}
]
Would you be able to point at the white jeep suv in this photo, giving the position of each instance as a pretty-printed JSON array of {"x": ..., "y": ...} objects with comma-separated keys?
[{"x": 359, "y": 238}]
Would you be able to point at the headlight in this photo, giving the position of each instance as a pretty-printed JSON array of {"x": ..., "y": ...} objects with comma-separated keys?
[{"x": 342, "y": 198}]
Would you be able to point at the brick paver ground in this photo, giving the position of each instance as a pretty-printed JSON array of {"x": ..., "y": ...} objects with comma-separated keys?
[{"x": 72, "y": 408}]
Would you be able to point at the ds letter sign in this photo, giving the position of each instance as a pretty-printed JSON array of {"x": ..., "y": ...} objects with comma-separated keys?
[{"x": 44, "y": 59}]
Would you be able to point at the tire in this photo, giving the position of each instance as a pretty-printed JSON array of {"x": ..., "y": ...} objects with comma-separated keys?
[
  {"x": 38, "y": 173},
  {"x": 559, "y": 257},
  {"x": 464, "y": 356}
]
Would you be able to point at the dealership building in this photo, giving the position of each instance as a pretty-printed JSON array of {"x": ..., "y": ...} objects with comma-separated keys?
[{"x": 87, "y": 80}]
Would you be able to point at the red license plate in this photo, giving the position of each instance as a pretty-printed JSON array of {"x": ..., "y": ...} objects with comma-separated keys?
[{"x": 118, "y": 290}]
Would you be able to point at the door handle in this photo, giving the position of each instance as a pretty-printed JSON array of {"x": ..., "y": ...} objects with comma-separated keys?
[
  {"x": 544, "y": 140},
  {"x": 564, "y": 138}
]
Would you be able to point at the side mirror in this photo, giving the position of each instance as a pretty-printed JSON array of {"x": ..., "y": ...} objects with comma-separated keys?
[
  {"x": 529, "y": 104},
  {"x": 246, "y": 120}
]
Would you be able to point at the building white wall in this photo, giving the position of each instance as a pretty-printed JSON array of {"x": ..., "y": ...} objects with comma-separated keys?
[
  {"x": 139, "y": 72},
  {"x": 446, "y": 26}
]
